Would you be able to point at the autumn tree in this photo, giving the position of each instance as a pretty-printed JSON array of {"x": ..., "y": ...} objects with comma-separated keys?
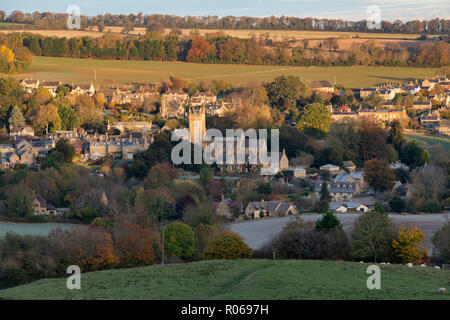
[
  {"x": 408, "y": 245},
  {"x": 198, "y": 50},
  {"x": 6, "y": 60},
  {"x": 227, "y": 245},
  {"x": 47, "y": 118},
  {"x": 133, "y": 245},
  {"x": 378, "y": 174},
  {"x": 90, "y": 248}
]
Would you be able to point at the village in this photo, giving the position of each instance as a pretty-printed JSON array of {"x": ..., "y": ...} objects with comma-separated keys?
[{"x": 427, "y": 103}]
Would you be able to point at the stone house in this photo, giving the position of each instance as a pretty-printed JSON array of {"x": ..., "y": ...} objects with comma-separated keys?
[
  {"x": 41, "y": 208},
  {"x": 78, "y": 89},
  {"x": 261, "y": 209}
]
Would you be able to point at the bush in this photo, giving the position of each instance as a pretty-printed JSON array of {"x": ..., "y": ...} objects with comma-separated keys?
[
  {"x": 227, "y": 245},
  {"x": 37, "y": 219},
  {"x": 397, "y": 204},
  {"x": 299, "y": 240},
  {"x": 431, "y": 207}
]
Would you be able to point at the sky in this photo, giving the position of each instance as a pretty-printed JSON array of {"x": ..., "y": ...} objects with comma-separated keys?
[{"x": 353, "y": 10}]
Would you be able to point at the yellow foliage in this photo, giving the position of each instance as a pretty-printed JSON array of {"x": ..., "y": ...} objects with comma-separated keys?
[
  {"x": 6, "y": 54},
  {"x": 408, "y": 247}
]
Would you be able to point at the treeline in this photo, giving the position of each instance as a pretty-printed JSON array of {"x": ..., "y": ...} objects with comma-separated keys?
[
  {"x": 225, "y": 49},
  {"x": 49, "y": 20}
]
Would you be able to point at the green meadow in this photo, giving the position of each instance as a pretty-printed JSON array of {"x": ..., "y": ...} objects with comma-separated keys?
[{"x": 245, "y": 279}]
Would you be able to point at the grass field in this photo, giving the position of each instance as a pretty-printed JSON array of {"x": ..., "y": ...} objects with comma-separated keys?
[
  {"x": 429, "y": 140},
  {"x": 82, "y": 70},
  {"x": 248, "y": 279}
]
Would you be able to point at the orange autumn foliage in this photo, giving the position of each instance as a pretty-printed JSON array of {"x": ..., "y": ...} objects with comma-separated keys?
[
  {"x": 133, "y": 245},
  {"x": 90, "y": 248}
]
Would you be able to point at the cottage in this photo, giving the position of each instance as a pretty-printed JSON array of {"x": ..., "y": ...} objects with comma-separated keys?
[
  {"x": 78, "y": 89},
  {"x": 322, "y": 86},
  {"x": 228, "y": 208},
  {"x": 261, "y": 209},
  {"x": 29, "y": 85}
]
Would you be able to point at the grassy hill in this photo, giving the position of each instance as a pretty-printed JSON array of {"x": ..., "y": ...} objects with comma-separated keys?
[
  {"x": 82, "y": 70},
  {"x": 429, "y": 140},
  {"x": 245, "y": 279}
]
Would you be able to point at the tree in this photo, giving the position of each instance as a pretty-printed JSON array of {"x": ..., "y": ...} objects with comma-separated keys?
[
  {"x": 16, "y": 119},
  {"x": 90, "y": 248},
  {"x": 378, "y": 174},
  {"x": 395, "y": 136},
  {"x": 441, "y": 240},
  {"x": 324, "y": 194},
  {"x": 179, "y": 240},
  {"x": 315, "y": 119},
  {"x": 133, "y": 245},
  {"x": 67, "y": 149},
  {"x": 227, "y": 245},
  {"x": 47, "y": 118},
  {"x": 284, "y": 91},
  {"x": 7, "y": 59},
  {"x": 18, "y": 202},
  {"x": 372, "y": 237},
  {"x": 408, "y": 246},
  {"x": 202, "y": 213},
  {"x": 328, "y": 222},
  {"x": 206, "y": 176},
  {"x": 413, "y": 155}
]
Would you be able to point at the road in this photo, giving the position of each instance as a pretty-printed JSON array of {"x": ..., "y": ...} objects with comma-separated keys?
[{"x": 258, "y": 232}]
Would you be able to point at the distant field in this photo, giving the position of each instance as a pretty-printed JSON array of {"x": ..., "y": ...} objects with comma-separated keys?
[
  {"x": 346, "y": 39},
  {"x": 82, "y": 70},
  {"x": 7, "y": 24},
  {"x": 429, "y": 140},
  {"x": 245, "y": 279}
]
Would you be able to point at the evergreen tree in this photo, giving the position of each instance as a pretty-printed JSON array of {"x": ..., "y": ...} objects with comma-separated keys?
[
  {"x": 324, "y": 194},
  {"x": 16, "y": 118}
]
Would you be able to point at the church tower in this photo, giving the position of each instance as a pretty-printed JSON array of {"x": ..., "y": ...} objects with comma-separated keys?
[{"x": 197, "y": 124}]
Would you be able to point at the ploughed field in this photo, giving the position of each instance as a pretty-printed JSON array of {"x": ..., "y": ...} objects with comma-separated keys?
[{"x": 245, "y": 279}]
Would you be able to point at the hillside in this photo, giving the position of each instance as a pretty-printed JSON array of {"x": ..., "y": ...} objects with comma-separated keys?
[{"x": 245, "y": 279}]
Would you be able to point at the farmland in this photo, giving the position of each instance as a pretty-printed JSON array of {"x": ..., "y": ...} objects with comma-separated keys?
[
  {"x": 345, "y": 39},
  {"x": 244, "y": 279},
  {"x": 83, "y": 70}
]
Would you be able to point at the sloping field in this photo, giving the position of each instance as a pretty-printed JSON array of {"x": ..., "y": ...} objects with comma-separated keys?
[
  {"x": 245, "y": 279},
  {"x": 83, "y": 70},
  {"x": 427, "y": 140}
]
